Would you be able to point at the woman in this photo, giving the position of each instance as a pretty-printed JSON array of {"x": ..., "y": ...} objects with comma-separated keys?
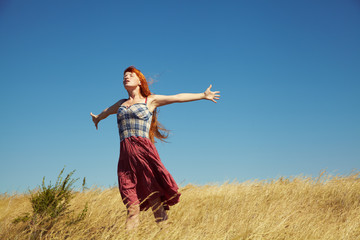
[{"x": 143, "y": 180}]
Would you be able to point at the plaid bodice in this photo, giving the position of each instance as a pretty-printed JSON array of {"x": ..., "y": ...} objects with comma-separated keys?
[{"x": 134, "y": 120}]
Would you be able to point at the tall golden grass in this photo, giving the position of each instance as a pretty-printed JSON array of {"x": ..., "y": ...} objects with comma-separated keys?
[{"x": 325, "y": 207}]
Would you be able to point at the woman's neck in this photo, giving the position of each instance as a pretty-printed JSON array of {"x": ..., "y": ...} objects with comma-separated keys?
[{"x": 134, "y": 94}]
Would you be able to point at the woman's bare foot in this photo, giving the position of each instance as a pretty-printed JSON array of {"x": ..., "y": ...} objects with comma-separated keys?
[
  {"x": 158, "y": 210},
  {"x": 132, "y": 220}
]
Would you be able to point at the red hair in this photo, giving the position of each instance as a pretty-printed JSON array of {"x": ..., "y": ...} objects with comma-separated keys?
[{"x": 157, "y": 130}]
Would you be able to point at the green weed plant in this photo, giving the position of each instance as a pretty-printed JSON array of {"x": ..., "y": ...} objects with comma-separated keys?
[{"x": 50, "y": 204}]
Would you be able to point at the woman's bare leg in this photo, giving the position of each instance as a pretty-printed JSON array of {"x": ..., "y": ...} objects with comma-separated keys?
[
  {"x": 158, "y": 210},
  {"x": 132, "y": 220}
]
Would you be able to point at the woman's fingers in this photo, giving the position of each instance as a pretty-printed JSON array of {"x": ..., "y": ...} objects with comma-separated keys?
[
  {"x": 212, "y": 95},
  {"x": 94, "y": 120}
]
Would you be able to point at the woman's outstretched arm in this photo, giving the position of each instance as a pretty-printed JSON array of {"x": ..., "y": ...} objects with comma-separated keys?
[
  {"x": 107, "y": 112},
  {"x": 161, "y": 100}
]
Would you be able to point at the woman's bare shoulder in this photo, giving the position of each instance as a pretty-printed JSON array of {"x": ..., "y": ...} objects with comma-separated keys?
[
  {"x": 150, "y": 102},
  {"x": 118, "y": 103},
  {"x": 151, "y": 98}
]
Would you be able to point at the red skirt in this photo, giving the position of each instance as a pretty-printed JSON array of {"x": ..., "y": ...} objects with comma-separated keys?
[{"x": 142, "y": 176}]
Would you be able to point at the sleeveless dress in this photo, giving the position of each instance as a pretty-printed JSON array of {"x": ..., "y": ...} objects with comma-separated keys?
[{"x": 141, "y": 174}]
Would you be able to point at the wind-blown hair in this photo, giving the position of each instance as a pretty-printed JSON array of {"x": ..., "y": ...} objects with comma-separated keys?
[{"x": 157, "y": 130}]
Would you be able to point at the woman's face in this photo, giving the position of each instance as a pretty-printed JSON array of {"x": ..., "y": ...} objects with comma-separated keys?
[{"x": 131, "y": 80}]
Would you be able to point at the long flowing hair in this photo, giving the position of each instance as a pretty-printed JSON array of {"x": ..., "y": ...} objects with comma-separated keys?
[{"x": 157, "y": 130}]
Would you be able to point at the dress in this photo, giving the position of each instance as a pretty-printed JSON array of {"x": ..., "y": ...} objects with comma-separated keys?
[{"x": 141, "y": 174}]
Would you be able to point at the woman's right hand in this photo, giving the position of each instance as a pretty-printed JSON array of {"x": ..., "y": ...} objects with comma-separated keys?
[{"x": 95, "y": 119}]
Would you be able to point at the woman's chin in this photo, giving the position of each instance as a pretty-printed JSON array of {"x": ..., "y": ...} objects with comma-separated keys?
[{"x": 129, "y": 87}]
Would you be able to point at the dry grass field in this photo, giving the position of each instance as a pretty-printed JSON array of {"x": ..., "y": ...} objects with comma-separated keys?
[{"x": 326, "y": 207}]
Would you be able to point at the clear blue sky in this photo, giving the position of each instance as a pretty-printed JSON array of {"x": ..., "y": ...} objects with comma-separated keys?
[{"x": 288, "y": 72}]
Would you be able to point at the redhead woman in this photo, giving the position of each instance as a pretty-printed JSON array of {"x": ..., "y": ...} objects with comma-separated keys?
[{"x": 143, "y": 180}]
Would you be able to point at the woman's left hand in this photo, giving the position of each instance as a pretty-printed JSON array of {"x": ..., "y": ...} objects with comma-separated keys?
[
  {"x": 95, "y": 119},
  {"x": 209, "y": 95}
]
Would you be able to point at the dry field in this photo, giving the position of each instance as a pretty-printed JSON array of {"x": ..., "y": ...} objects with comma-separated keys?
[{"x": 326, "y": 207}]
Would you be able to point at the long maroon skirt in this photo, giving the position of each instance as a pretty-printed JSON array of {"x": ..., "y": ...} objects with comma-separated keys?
[{"x": 142, "y": 176}]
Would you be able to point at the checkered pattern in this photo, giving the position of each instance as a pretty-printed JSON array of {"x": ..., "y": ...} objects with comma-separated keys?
[{"x": 134, "y": 121}]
